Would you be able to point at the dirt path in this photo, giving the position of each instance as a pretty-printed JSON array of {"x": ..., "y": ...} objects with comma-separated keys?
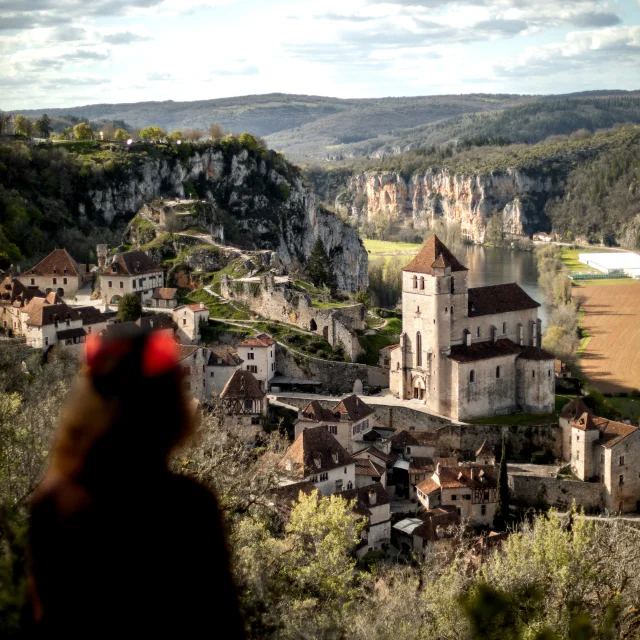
[{"x": 611, "y": 360}]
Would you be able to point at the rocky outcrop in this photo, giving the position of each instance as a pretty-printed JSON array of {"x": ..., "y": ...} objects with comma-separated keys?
[
  {"x": 265, "y": 203},
  {"x": 469, "y": 200}
]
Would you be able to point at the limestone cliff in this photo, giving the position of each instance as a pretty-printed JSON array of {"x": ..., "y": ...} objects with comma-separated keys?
[
  {"x": 469, "y": 200},
  {"x": 264, "y": 202}
]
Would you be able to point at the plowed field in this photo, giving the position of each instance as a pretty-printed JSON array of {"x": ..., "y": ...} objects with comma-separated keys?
[{"x": 611, "y": 360}]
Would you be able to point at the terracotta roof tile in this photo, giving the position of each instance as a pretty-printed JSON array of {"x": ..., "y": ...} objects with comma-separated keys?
[
  {"x": 68, "y": 334},
  {"x": 483, "y": 350},
  {"x": 585, "y": 422},
  {"x": 433, "y": 250},
  {"x": 376, "y": 453},
  {"x": 485, "y": 450},
  {"x": 314, "y": 451},
  {"x": 462, "y": 476},
  {"x": 242, "y": 384},
  {"x": 223, "y": 356},
  {"x": 406, "y": 438},
  {"x": 574, "y": 409},
  {"x": 55, "y": 264},
  {"x": 194, "y": 307},
  {"x": 261, "y": 340},
  {"x": 444, "y": 517},
  {"x": 186, "y": 350},
  {"x": 90, "y": 315},
  {"x": 361, "y": 494},
  {"x": 366, "y": 467},
  {"x": 156, "y": 322},
  {"x": 12, "y": 289},
  {"x": 499, "y": 298},
  {"x": 286, "y": 497},
  {"x": 49, "y": 314},
  {"x": 164, "y": 293},
  {"x": 611, "y": 433},
  {"x": 421, "y": 464},
  {"x": 316, "y": 412},
  {"x": 352, "y": 408},
  {"x": 132, "y": 263}
]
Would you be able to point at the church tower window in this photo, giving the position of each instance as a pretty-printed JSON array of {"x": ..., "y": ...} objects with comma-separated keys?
[
  {"x": 472, "y": 376},
  {"x": 415, "y": 282},
  {"x": 418, "y": 349},
  {"x": 421, "y": 283}
]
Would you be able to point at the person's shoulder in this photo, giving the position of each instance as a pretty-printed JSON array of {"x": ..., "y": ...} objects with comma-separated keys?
[
  {"x": 62, "y": 497},
  {"x": 190, "y": 488}
]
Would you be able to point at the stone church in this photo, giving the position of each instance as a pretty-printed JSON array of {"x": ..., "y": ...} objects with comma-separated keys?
[{"x": 468, "y": 353}]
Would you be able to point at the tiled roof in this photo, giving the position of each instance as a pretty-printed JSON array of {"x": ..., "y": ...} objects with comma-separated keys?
[
  {"x": 485, "y": 450},
  {"x": 535, "y": 353},
  {"x": 611, "y": 433},
  {"x": 434, "y": 254},
  {"x": 374, "y": 451},
  {"x": 585, "y": 422},
  {"x": 48, "y": 314},
  {"x": 499, "y": 298},
  {"x": 391, "y": 347},
  {"x": 156, "y": 322},
  {"x": 464, "y": 477},
  {"x": 223, "y": 355},
  {"x": 242, "y": 384},
  {"x": 406, "y": 438},
  {"x": 13, "y": 289},
  {"x": 71, "y": 333},
  {"x": 261, "y": 340},
  {"x": 55, "y": 264},
  {"x": 132, "y": 263},
  {"x": 366, "y": 467},
  {"x": 286, "y": 497},
  {"x": 315, "y": 412},
  {"x": 164, "y": 293},
  {"x": 445, "y": 516},
  {"x": 361, "y": 494},
  {"x": 90, "y": 315},
  {"x": 186, "y": 350},
  {"x": 352, "y": 408},
  {"x": 483, "y": 350},
  {"x": 314, "y": 451},
  {"x": 574, "y": 409}
]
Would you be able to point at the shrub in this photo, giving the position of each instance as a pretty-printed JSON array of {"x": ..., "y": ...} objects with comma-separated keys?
[{"x": 540, "y": 457}]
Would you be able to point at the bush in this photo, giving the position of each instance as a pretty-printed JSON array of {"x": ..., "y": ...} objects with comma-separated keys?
[
  {"x": 130, "y": 308},
  {"x": 540, "y": 457}
]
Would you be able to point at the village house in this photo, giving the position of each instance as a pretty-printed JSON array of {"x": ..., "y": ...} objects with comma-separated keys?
[
  {"x": 316, "y": 456},
  {"x": 468, "y": 352},
  {"x": 244, "y": 401},
  {"x": 471, "y": 489},
  {"x": 157, "y": 322},
  {"x": 188, "y": 319},
  {"x": 223, "y": 362},
  {"x": 164, "y": 298},
  {"x": 259, "y": 357},
  {"x": 130, "y": 272},
  {"x": 415, "y": 451},
  {"x": 485, "y": 455},
  {"x": 58, "y": 272},
  {"x": 604, "y": 451},
  {"x": 429, "y": 532},
  {"x": 349, "y": 420},
  {"x": 384, "y": 356},
  {"x": 14, "y": 296},
  {"x": 193, "y": 363},
  {"x": 376, "y": 455},
  {"x": 368, "y": 471},
  {"x": 374, "y": 504}
]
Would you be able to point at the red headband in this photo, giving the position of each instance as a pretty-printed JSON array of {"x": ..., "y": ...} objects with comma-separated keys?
[{"x": 159, "y": 355}]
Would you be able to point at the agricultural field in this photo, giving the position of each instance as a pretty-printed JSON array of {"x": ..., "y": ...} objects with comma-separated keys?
[
  {"x": 611, "y": 359},
  {"x": 383, "y": 248}
]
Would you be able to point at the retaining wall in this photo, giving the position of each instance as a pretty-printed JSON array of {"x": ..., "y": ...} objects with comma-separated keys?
[{"x": 536, "y": 492}]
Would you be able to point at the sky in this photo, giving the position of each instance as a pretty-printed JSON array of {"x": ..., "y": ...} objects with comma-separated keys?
[{"x": 74, "y": 52}]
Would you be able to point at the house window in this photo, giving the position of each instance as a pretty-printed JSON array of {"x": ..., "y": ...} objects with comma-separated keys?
[
  {"x": 255, "y": 420},
  {"x": 454, "y": 497},
  {"x": 577, "y": 438},
  {"x": 184, "y": 321},
  {"x": 446, "y": 310},
  {"x": 472, "y": 376},
  {"x": 418, "y": 349},
  {"x": 549, "y": 372},
  {"x": 577, "y": 455},
  {"x": 46, "y": 342},
  {"x": 345, "y": 469},
  {"x": 533, "y": 374},
  {"x": 251, "y": 356},
  {"x": 417, "y": 309},
  {"x": 333, "y": 429},
  {"x": 55, "y": 281},
  {"x": 33, "y": 281},
  {"x": 415, "y": 282},
  {"x": 324, "y": 476},
  {"x": 273, "y": 366},
  {"x": 504, "y": 328},
  {"x": 211, "y": 374},
  {"x": 134, "y": 284},
  {"x": 121, "y": 284},
  {"x": 409, "y": 450},
  {"x": 271, "y": 354},
  {"x": 478, "y": 332},
  {"x": 621, "y": 480},
  {"x": 622, "y": 461},
  {"x": 601, "y": 458},
  {"x": 252, "y": 368},
  {"x": 64, "y": 280},
  {"x": 338, "y": 485},
  {"x": 422, "y": 283},
  {"x": 483, "y": 509},
  {"x": 110, "y": 283},
  {"x": 453, "y": 285},
  {"x": 498, "y": 372}
]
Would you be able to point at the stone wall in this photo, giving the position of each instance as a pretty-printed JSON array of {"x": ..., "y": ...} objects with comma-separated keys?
[
  {"x": 536, "y": 492},
  {"x": 281, "y": 302},
  {"x": 337, "y": 377}
]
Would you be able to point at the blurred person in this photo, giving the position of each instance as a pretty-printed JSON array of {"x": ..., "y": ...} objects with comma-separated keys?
[{"x": 120, "y": 546}]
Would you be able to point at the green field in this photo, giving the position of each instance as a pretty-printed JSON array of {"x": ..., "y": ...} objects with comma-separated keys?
[
  {"x": 384, "y": 248},
  {"x": 570, "y": 260},
  {"x": 629, "y": 408}
]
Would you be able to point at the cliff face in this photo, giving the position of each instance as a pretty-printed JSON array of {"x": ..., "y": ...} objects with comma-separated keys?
[
  {"x": 467, "y": 200},
  {"x": 264, "y": 201}
]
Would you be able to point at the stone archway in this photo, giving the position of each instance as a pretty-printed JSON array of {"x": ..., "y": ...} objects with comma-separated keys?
[
  {"x": 115, "y": 300},
  {"x": 419, "y": 388},
  {"x": 60, "y": 292},
  {"x": 313, "y": 325}
]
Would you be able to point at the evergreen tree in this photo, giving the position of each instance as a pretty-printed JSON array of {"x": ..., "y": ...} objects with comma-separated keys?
[
  {"x": 319, "y": 267},
  {"x": 501, "y": 517},
  {"x": 44, "y": 126},
  {"x": 130, "y": 308}
]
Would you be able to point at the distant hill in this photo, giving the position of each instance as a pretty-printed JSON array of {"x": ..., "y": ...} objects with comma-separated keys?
[{"x": 315, "y": 128}]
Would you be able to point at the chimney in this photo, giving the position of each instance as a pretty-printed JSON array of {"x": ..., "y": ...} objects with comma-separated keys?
[
  {"x": 373, "y": 496},
  {"x": 202, "y": 305},
  {"x": 438, "y": 469}
]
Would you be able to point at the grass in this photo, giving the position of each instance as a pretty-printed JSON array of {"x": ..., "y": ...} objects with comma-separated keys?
[
  {"x": 216, "y": 308},
  {"x": 518, "y": 419},
  {"x": 212, "y": 333},
  {"x": 570, "y": 260},
  {"x": 383, "y": 247},
  {"x": 372, "y": 345},
  {"x": 562, "y": 400},
  {"x": 393, "y": 327},
  {"x": 628, "y": 408}
]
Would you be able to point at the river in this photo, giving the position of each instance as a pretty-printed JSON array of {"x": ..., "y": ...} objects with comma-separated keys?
[{"x": 489, "y": 265}]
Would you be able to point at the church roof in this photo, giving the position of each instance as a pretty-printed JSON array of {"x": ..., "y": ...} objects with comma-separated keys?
[
  {"x": 499, "y": 298},
  {"x": 434, "y": 254},
  {"x": 483, "y": 350}
]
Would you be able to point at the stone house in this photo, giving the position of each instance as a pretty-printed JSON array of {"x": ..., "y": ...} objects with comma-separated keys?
[
  {"x": 188, "y": 319},
  {"x": 607, "y": 452},
  {"x": 259, "y": 358},
  {"x": 428, "y": 532},
  {"x": 223, "y": 362},
  {"x": 384, "y": 356},
  {"x": 471, "y": 489},
  {"x": 193, "y": 361},
  {"x": 157, "y": 322},
  {"x": 14, "y": 297},
  {"x": 373, "y": 503},
  {"x": 349, "y": 420},
  {"x": 376, "y": 455},
  {"x": 58, "y": 272},
  {"x": 468, "y": 352},
  {"x": 164, "y": 298},
  {"x": 316, "y": 456},
  {"x": 130, "y": 272},
  {"x": 244, "y": 400},
  {"x": 415, "y": 451},
  {"x": 369, "y": 471},
  {"x": 485, "y": 455}
]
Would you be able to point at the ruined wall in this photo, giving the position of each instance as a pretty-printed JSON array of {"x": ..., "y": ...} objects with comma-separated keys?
[
  {"x": 536, "y": 492},
  {"x": 337, "y": 377},
  {"x": 279, "y": 301}
]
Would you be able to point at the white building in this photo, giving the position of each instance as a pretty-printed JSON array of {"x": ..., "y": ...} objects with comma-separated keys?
[
  {"x": 130, "y": 272},
  {"x": 188, "y": 319},
  {"x": 244, "y": 400},
  {"x": 612, "y": 262},
  {"x": 259, "y": 357},
  {"x": 223, "y": 363},
  {"x": 58, "y": 272},
  {"x": 316, "y": 456}
]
